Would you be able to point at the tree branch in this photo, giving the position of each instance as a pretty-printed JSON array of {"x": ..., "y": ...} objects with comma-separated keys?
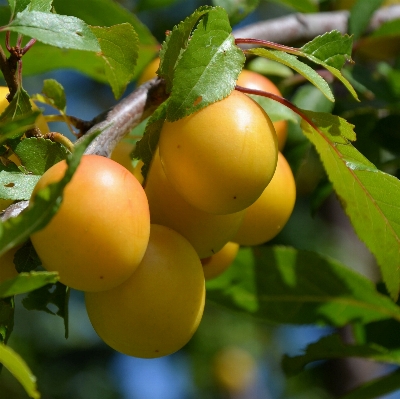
[{"x": 304, "y": 27}]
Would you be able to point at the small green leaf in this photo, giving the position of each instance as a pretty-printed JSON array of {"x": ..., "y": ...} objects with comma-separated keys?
[
  {"x": 57, "y": 30},
  {"x": 177, "y": 40},
  {"x": 26, "y": 282},
  {"x": 16, "y": 230},
  {"x": 333, "y": 48},
  {"x": 16, "y": 127},
  {"x": 55, "y": 94},
  {"x": 332, "y": 347},
  {"x": 20, "y": 370},
  {"x": 292, "y": 62},
  {"x": 119, "y": 51},
  {"x": 146, "y": 147},
  {"x": 237, "y": 10},
  {"x": 40, "y": 5},
  {"x": 360, "y": 15},
  {"x": 208, "y": 69},
  {"x": 16, "y": 186},
  {"x": 284, "y": 285},
  {"x": 369, "y": 196},
  {"x": 20, "y": 105},
  {"x": 38, "y": 154},
  {"x": 18, "y": 5}
]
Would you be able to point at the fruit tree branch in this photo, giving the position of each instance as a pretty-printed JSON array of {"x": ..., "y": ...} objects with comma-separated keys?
[{"x": 304, "y": 27}]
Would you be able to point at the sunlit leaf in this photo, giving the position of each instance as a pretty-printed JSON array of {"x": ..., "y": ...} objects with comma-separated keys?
[
  {"x": 20, "y": 370},
  {"x": 16, "y": 185},
  {"x": 175, "y": 41},
  {"x": 26, "y": 282},
  {"x": 55, "y": 94},
  {"x": 369, "y": 197},
  {"x": 300, "y": 67},
  {"x": 119, "y": 51},
  {"x": 211, "y": 60},
  {"x": 57, "y": 30}
]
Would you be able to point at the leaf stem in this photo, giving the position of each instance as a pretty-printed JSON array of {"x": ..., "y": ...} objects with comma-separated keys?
[{"x": 266, "y": 43}]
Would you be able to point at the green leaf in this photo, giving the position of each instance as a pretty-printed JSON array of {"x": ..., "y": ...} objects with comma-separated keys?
[
  {"x": 332, "y": 347},
  {"x": 7, "y": 309},
  {"x": 57, "y": 30},
  {"x": 360, "y": 15},
  {"x": 119, "y": 51},
  {"x": 16, "y": 230},
  {"x": 146, "y": 147},
  {"x": 57, "y": 295},
  {"x": 389, "y": 28},
  {"x": 40, "y": 5},
  {"x": 369, "y": 197},
  {"x": 284, "y": 285},
  {"x": 16, "y": 127},
  {"x": 275, "y": 110},
  {"x": 151, "y": 4},
  {"x": 108, "y": 13},
  {"x": 16, "y": 185},
  {"x": 237, "y": 10},
  {"x": 20, "y": 105},
  {"x": 26, "y": 282},
  {"x": 20, "y": 370},
  {"x": 292, "y": 62},
  {"x": 177, "y": 40},
  {"x": 333, "y": 48},
  {"x": 55, "y": 94},
  {"x": 300, "y": 5},
  {"x": 376, "y": 388},
  {"x": 38, "y": 154},
  {"x": 208, "y": 69},
  {"x": 18, "y": 5}
]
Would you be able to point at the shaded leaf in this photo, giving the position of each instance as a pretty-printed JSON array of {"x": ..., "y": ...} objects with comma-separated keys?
[
  {"x": 146, "y": 147},
  {"x": 207, "y": 70},
  {"x": 26, "y": 282},
  {"x": 26, "y": 258},
  {"x": 20, "y": 370},
  {"x": 57, "y": 30},
  {"x": 55, "y": 294},
  {"x": 292, "y": 62},
  {"x": 300, "y": 5},
  {"x": 370, "y": 197},
  {"x": 360, "y": 15},
  {"x": 16, "y": 127},
  {"x": 7, "y": 309},
  {"x": 332, "y": 347},
  {"x": 151, "y": 4},
  {"x": 119, "y": 51},
  {"x": 284, "y": 285},
  {"x": 237, "y": 10},
  {"x": 19, "y": 106}
]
